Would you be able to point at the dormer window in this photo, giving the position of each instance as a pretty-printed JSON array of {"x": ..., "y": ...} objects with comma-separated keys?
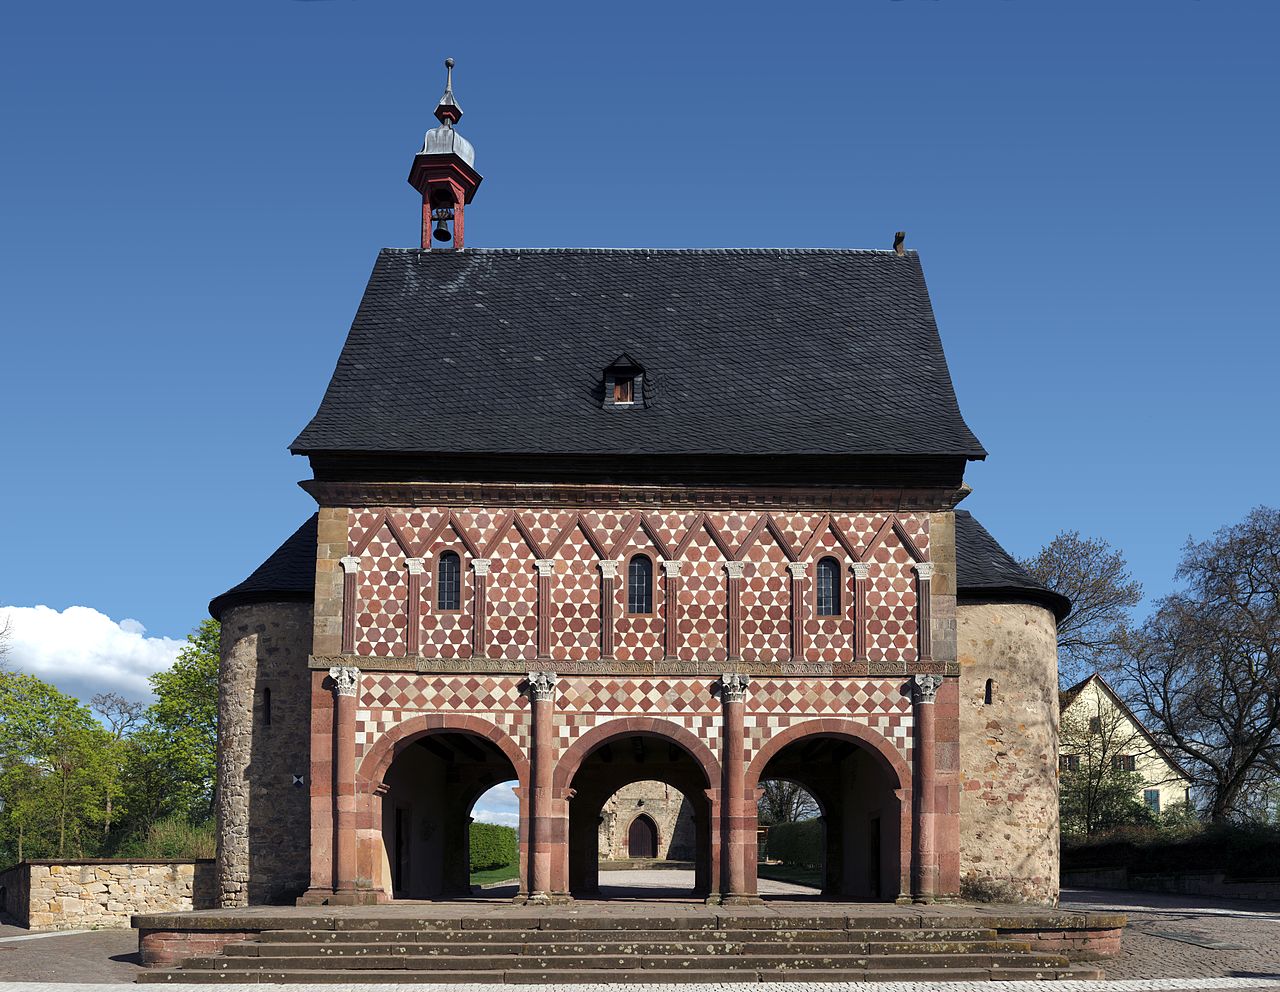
[{"x": 624, "y": 384}]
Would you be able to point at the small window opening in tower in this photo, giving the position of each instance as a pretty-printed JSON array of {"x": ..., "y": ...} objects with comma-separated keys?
[
  {"x": 266, "y": 707},
  {"x": 990, "y": 694}
]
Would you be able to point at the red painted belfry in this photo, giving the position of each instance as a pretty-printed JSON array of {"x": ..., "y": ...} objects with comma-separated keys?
[{"x": 444, "y": 173}]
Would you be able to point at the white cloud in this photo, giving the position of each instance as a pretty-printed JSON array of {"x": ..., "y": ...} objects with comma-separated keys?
[
  {"x": 82, "y": 651},
  {"x": 498, "y": 805}
]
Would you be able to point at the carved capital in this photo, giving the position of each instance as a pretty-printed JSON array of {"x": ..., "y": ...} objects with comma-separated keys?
[
  {"x": 480, "y": 566},
  {"x": 350, "y": 564},
  {"x": 926, "y": 687},
  {"x": 861, "y": 569},
  {"x": 924, "y": 569},
  {"x": 346, "y": 679},
  {"x": 608, "y": 569},
  {"x": 415, "y": 566},
  {"x": 672, "y": 568},
  {"x": 733, "y": 569},
  {"x": 733, "y": 687},
  {"x": 797, "y": 569},
  {"x": 542, "y": 686},
  {"x": 545, "y": 566}
]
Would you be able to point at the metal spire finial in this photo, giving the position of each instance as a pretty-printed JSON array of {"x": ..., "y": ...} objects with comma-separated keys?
[{"x": 448, "y": 111}]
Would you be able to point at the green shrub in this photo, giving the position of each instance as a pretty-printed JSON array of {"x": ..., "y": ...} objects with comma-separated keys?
[
  {"x": 493, "y": 846},
  {"x": 796, "y": 843},
  {"x": 1239, "y": 850},
  {"x": 174, "y": 838}
]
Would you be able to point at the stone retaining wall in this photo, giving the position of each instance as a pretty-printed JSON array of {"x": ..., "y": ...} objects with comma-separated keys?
[
  {"x": 102, "y": 892},
  {"x": 1197, "y": 883}
]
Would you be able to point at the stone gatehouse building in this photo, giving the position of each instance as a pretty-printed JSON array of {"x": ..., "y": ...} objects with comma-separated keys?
[{"x": 594, "y": 517}]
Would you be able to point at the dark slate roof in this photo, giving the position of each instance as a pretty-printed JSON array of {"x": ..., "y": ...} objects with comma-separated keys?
[
  {"x": 985, "y": 570},
  {"x": 745, "y": 351},
  {"x": 289, "y": 574}
]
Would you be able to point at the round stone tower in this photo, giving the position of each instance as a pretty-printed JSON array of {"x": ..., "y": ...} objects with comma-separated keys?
[
  {"x": 1008, "y": 657},
  {"x": 264, "y": 725}
]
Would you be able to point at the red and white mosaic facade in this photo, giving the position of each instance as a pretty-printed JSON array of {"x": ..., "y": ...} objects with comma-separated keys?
[{"x": 546, "y": 655}]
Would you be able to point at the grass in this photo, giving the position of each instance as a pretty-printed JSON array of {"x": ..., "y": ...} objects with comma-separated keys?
[
  {"x": 797, "y": 874},
  {"x": 507, "y": 873}
]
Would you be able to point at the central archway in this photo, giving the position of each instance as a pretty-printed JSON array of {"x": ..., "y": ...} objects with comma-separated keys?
[{"x": 615, "y": 755}]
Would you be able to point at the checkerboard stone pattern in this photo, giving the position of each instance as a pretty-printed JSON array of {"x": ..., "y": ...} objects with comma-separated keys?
[
  {"x": 773, "y": 705},
  {"x": 513, "y": 539},
  {"x": 584, "y": 703},
  {"x": 388, "y": 699}
]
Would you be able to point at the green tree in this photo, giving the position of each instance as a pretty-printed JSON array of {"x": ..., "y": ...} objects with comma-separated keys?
[
  {"x": 174, "y": 761},
  {"x": 51, "y": 766}
]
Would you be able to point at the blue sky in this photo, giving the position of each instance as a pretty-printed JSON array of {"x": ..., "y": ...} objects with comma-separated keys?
[{"x": 193, "y": 195}]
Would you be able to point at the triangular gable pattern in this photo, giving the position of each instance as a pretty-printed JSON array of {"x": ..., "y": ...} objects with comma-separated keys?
[{"x": 512, "y": 542}]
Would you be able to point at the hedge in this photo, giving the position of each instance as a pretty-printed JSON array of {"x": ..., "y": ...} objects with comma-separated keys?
[
  {"x": 493, "y": 846},
  {"x": 1239, "y": 850},
  {"x": 796, "y": 843}
]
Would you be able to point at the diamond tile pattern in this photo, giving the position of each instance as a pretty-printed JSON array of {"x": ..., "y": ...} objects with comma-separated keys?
[
  {"x": 512, "y": 599},
  {"x": 387, "y": 699},
  {"x": 775, "y": 704},
  {"x": 584, "y": 703}
]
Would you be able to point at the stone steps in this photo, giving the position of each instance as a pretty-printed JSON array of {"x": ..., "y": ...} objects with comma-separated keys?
[{"x": 604, "y": 950}]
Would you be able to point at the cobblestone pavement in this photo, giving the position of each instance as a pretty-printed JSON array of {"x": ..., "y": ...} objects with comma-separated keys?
[
  {"x": 644, "y": 883},
  {"x": 80, "y": 958},
  {"x": 1151, "y": 947}
]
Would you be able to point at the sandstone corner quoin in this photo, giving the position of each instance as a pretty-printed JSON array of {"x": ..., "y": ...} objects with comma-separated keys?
[{"x": 589, "y": 518}]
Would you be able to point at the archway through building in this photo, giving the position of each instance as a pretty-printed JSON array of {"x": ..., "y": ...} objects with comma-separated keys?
[
  {"x": 863, "y": 825},
  {"x": 428, "y": 793},
  {"x": 641, "y": 796}
]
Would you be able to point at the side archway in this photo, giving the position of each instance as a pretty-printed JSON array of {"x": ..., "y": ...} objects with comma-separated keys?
[
  {"x": 862, "y": 784},
  {"x": 415, "y": 789}
]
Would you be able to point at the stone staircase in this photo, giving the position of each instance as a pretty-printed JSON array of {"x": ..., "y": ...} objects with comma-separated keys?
[{"x": 607, "y": 949}]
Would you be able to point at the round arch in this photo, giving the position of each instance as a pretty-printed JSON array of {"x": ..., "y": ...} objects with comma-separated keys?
[
  {"x": 648, "y": 824},
  {"x": 885, "y": 754},
  {"x": 374, "y": 765},
  {"x": 571, "y": 760}
]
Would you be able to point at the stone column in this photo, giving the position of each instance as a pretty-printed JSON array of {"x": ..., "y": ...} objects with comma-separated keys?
[
  {"x": 479, "y": 607},
  {"x": 925, "y": 854},
  {"x": 797, "y": 570},
  {"x": 608, "y": 575},
  {"x": 733, "y": 608},
  {"x": 924, "y": 635},
  {"x": 346, "y": 687},
  {"x": 545, "y": 566},
  {"x": 739, "y": 821},
  {"x": 350, "y": 569},
  {"x": 413, "y": 602},
  {"x": 671, "y": 608},
  {"x": 861, "y": 572},
  {"x": 542, "y": 694}
]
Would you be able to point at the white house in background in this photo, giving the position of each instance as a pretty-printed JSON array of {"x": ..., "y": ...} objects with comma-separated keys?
[{"x": 1099, "y": 728}]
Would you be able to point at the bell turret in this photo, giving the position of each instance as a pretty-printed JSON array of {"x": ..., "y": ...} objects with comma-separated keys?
[{"x": 444, "y": 172}]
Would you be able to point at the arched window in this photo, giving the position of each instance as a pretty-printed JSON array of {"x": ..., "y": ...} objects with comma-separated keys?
[
  {"x": 828, "y": 588},
  {"x": 989, "y": 696},
  {"x": 640, "y": 585},
  {"x": 449, "y": 582}
]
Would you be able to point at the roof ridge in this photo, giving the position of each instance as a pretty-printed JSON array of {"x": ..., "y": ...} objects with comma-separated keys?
[{"x": 650, "y": 251}]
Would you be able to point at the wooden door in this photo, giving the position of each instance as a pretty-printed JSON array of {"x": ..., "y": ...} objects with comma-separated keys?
[{"x": 642, "y": 838}]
